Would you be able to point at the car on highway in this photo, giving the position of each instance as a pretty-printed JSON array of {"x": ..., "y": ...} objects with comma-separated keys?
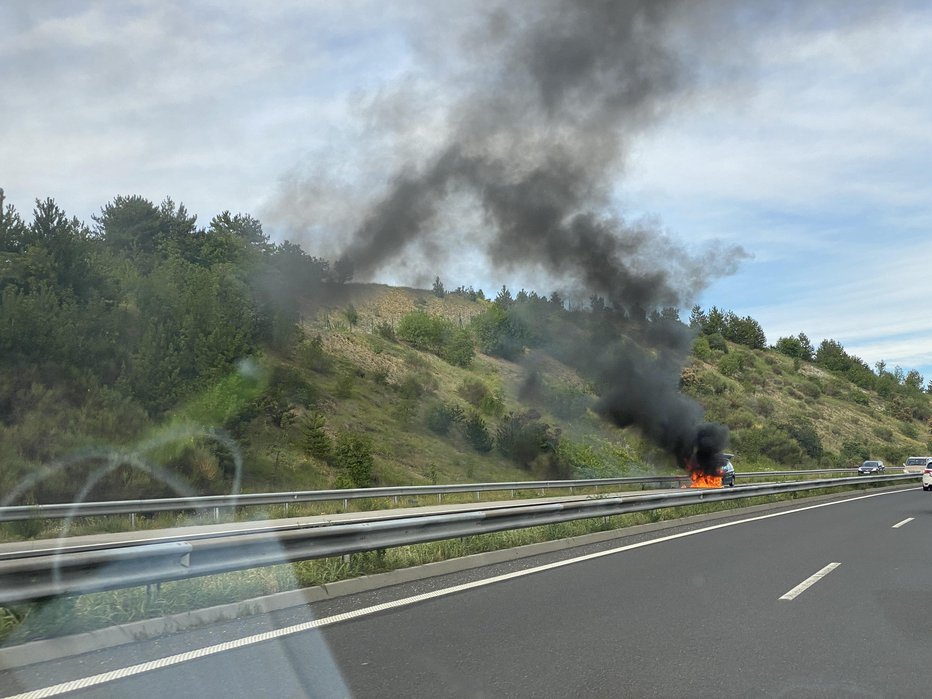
[
  {"x": 727, "y": 471},
  {"x": 927, "y": 478},
  {"x": 871, "y": 467},
  {"x": 917, "y": 464}
]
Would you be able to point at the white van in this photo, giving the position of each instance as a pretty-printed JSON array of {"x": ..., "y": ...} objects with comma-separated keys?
[{"x": 916, "y": 464}]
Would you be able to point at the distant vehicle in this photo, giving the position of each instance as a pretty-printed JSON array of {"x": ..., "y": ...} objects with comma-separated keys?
[
  {"x": 727, "y": 471},
  {"x": 916, "y": 464},
  {"x": 869, "y": 467},
  {"x": 927, "y": 478}
]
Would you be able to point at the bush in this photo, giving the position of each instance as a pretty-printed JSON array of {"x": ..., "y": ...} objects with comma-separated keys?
[
  {"x": 742, "y": 418},
  {"x": 438, "y": 336},
  {"x": 717, "y": 342},
  {"x": 731, "y": 364},
  {"x": 859, "y": 397},
  {"x": 770, "y": 442},
  {"x": 807, "y": 437},
  {"x": 314, "y": 440},
  {"x": 410, "y": 387},
  {"x": 522, "y": 438},
  {"x": 883, "y": 433},
  {"x": 473, "y": 391},
  {"x": 810, "y": 389},
  {"x": 458, "y": 349},
  {"x": 702, "y": 349},
  {"x": 310, "y": 355},
  {"x": 352, "y": 455},
  {"x": 477, "y": 434},
  {"x": 500, "y": 332},
  {"x": 426, "y": 332},
  {"x": 442, "y": 416},
  {"x": 854, "y": 452},
  {"x": 566, "y": 402},
  {"x": 385, "y": 331}
]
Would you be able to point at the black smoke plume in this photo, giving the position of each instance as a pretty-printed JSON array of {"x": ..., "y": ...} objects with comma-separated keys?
[{"x": 537, "y": 140}]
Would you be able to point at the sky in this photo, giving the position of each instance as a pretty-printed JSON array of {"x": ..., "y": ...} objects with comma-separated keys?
[{"x": 791, "y": 152}]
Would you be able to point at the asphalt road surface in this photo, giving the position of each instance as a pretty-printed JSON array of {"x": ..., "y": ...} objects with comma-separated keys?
[{"x": 824, "y": 601}]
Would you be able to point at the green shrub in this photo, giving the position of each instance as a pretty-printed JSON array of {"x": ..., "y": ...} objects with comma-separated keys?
[
  {"x": 310, "y": 355},
  {"x": 741, "y": 418},
  {"x": 442, "y": 416},
  {"x": 807, "y": 437},
  {"x": 473, "y": 391},
  {"x": 352, "y": 455},
  {"x": 439, "y": 336},
  {"x": 883, "y": 433},
  {"x": 717, "y": 342},
  {"x": 702, "y": 349},
  {"x": 810, "y": 389},
  {"x": 458, "y": 349},
  {"x": 770, "y": 442},
  {"x": 522, "y": 437},
  {"x": 500, "y": 332},
  {"x": 411, "y": 387},
  {"x": 859, "y": 397},
  {"x": 385, "y": 331},
  {"x": 314, "y": 440},
  {"x": 731, "y": 364},
  {"x": 477, "y": 434}
]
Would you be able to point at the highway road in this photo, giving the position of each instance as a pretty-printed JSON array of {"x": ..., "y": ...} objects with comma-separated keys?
[{"x": 807, "y": 601}]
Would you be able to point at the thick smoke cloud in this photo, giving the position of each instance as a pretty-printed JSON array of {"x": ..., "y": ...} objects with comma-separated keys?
[
  {"x": 538, "y": 145},
  {"x": 537, "y": 140}
]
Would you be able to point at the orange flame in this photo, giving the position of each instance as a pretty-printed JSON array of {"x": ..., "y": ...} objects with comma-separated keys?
[{"x": 704, "y": 480}]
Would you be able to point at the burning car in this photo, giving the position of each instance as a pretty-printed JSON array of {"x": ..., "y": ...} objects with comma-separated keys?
[
  {"x": 728, "y": 471},
  {"x": 722, "y": 474}
]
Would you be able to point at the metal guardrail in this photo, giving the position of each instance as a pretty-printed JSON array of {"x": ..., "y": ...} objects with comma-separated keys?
[
  {"x": 33, "y": 577},
  {"x": 208, "y": 502}
]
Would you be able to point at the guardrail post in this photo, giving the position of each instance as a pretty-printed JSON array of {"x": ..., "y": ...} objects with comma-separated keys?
[
  {"x": 286, "y": 509},
  {"x": 216, "y": 514},
  {"x": 132, "y": 520}
]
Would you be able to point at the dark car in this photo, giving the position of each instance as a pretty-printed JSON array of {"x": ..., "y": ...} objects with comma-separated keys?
[
  {"x": 727, "y": 471},
  {"x": 869, "y": 467}
]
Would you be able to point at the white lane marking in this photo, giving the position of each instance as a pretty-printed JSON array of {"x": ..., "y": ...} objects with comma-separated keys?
[
  {"x": 900, "y": 524},
  {"x": 810, "y": 581},
  {"x": 167, "y": 661}
]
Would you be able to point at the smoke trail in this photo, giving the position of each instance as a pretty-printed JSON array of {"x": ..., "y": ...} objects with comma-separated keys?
[
  {"x": 537, "y": 145},
  {"x": 536, "y": 142}
]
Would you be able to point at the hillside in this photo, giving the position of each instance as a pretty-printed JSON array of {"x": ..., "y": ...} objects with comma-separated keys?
[
  {"x": 781, "y": 412},
  {"x": 150, "y": 357}
]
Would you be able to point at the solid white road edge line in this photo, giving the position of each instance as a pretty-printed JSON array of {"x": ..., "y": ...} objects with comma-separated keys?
[
  {"x": 810, "y": 581},
  {"x": 905, "y": 521},
  {"x": 167, "y": 661}
]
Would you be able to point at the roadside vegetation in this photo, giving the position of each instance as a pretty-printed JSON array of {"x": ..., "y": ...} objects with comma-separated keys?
[{"x": 144, "y": 355}]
